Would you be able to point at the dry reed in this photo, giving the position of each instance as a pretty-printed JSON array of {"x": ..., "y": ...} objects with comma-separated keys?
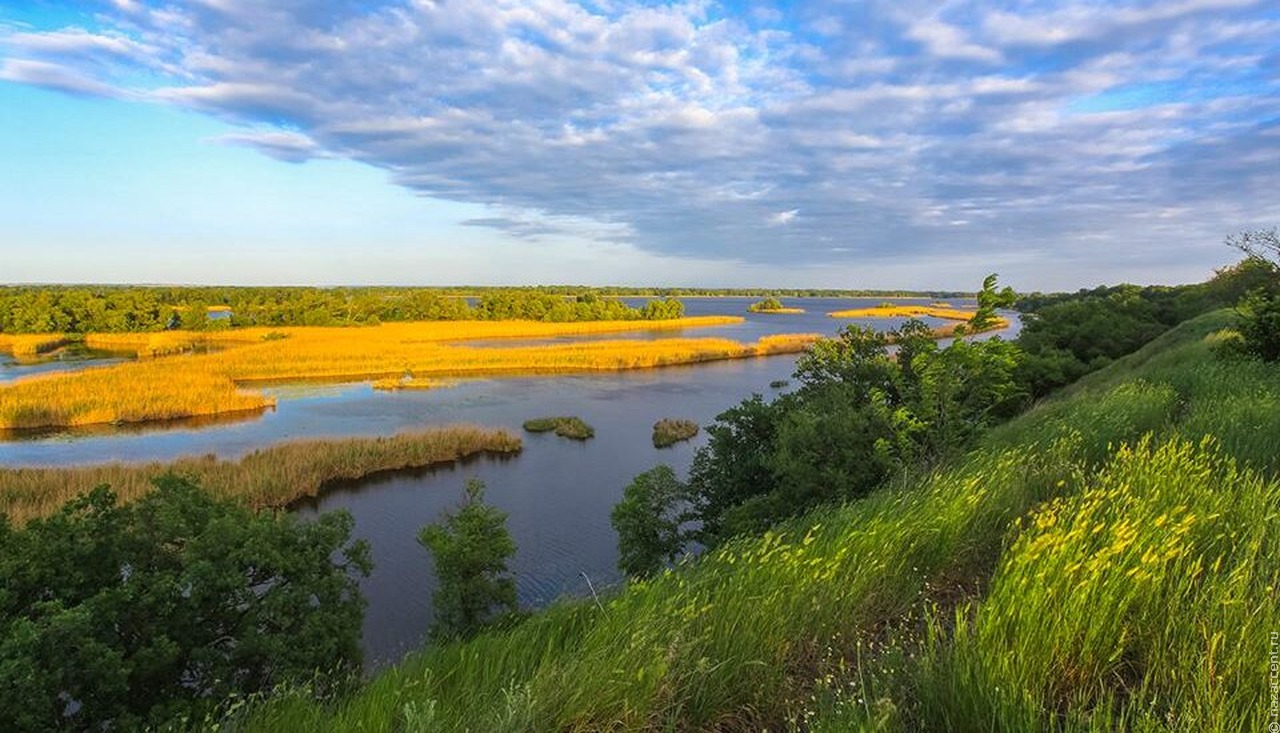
[
  {"x": 208, "y": 383},
  {"x": 270, "y": 477}
]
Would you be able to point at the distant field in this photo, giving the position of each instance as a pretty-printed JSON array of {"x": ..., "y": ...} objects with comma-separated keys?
[{"x": 166, "y": 384}]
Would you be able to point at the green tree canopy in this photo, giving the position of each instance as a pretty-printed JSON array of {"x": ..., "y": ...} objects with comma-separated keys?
[
  {"x": 649, "y": 522},
  {"x": 119, "y": 616},
  {"x": 471, "y": 547}
]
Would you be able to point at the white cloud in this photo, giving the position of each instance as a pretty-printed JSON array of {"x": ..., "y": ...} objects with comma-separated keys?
[{"x": 782, "y": 218}]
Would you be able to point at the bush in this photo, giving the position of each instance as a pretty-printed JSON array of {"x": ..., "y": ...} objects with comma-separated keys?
[
  {"x": 1259, "y": 325},
  {"x": 649, "y": 522}
]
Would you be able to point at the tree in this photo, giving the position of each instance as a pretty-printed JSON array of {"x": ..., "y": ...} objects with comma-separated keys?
[
  {"x": 989, "y": 299},
  {"x": 649, "y": 522},
  {"x": 1259, "y": 325},
  {"x": 1262, "y": 245},
  {"x": 117, "y": 617},
  {"x": 733, "y": 466},
  {"x": 1259, "y": 309},
  {"x": 471, "y": 548}
]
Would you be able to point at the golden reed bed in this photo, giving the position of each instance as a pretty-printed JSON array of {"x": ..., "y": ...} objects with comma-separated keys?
[
  {"x": 911, "y": 311},
  {"x": 27, "y": 345},
  {"x": 215, "y": 382},
  {"x": 270, "y": 477}
]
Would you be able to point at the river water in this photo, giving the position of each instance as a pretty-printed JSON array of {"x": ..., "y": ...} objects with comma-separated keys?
[{"x": 557, "y": 492}]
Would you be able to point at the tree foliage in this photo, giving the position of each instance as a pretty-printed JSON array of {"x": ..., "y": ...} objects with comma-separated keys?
[
  {"x": 867, "y": 405},
  {"x": 989, "y": 300},
  {"x": 471, "y": 547},
  {"x": 59, "y": 309},
  {"x": 119, "y": 616},
  {"x": 651, "y": 522}
]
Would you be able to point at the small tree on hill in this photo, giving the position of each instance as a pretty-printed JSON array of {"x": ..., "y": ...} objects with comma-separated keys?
[
  {"x": 648, "y": 521},
  {"x": 471, "y": 548},
  {"x": 1259, "y": 309},
  {"x": 1259, "y": 244}
]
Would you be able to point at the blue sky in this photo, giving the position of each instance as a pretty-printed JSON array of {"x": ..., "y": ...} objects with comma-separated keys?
[{"x": 861, "y": 144}]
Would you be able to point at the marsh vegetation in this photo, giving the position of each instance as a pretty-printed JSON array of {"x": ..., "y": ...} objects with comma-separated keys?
[
  {"x": 269, "y": 477},
  {"x": 669, "y": 431},
  {"x": 574, "y": 428},
  {"x": 772, "y": 305},
  {"x": 218, "y": 381}
]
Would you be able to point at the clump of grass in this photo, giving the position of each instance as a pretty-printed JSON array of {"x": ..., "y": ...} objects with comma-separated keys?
[
  {"x": 31, "y": 345},
  {"x": 669, "y": 431},
  {"x": 270, "y": 477},
  {"x": 890, "y": 310},
  {"x": 566, "y": 427},
  {"x": 395, "y": 384}
]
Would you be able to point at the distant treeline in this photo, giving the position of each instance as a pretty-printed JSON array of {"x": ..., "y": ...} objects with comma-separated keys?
[{"x": 108, "y": 309}]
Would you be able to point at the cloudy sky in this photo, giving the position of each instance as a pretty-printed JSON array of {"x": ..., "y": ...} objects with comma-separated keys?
[{"x": 879, "y": 143}]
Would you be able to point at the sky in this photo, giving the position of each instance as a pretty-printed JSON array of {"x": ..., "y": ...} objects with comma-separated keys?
[{"x": 869, "y": 144}]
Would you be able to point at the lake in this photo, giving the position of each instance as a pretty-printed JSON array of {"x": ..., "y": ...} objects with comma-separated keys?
[{"x": 558, "y": 492}]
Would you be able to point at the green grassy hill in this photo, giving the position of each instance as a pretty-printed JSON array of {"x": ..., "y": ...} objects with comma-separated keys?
[{"x": 1102, "y": 562}]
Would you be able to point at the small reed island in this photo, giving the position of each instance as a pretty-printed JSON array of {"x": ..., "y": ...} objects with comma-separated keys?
[
  {"x": 669, "y": 431},
  {"x": 566, "y": 427},
  {"x": 772, "y": 305}
]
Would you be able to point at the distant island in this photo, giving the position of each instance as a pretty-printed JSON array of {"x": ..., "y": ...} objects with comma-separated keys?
[{"x": 772, "y": 305}]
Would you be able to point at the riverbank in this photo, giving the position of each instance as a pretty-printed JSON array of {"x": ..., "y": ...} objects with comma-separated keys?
[{"x": 271, "y": 477}]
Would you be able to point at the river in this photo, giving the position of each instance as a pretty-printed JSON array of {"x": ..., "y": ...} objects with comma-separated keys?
[{"x": 557, "y": 492}]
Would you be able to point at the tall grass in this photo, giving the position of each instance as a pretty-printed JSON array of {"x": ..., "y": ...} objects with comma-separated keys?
[
  {"x": 270, "y": 477},
  {"x": 28, "y": 345},
  {"x": 210, "y": 383},
  {"x": 166, "y": 389},
  {"x": 1143, "y": 603},
  {"x": 164, "y": 343},
  {"x": 1052, "y": 580}
]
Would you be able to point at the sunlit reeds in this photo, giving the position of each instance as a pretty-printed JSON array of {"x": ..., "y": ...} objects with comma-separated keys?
[
  {"x": 167, "y": 389},
  {"x": 164, "y": 343},
  {"x": 215, "y": 382},
  {"x": 889, "y": 310},
  {"x": 29, "y": 345},
  {"x": 270, "y": 477},
  {"x": 943, "y": 312}
]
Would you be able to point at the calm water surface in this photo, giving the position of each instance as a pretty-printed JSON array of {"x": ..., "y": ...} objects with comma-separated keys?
[{"x": 558, "y": 492}]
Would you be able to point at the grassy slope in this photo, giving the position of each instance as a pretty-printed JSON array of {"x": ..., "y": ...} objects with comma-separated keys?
[{"x": 1045, "y": 582}]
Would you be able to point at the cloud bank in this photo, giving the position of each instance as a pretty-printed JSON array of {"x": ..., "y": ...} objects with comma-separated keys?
[{"x": 1063, "y": 135}]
